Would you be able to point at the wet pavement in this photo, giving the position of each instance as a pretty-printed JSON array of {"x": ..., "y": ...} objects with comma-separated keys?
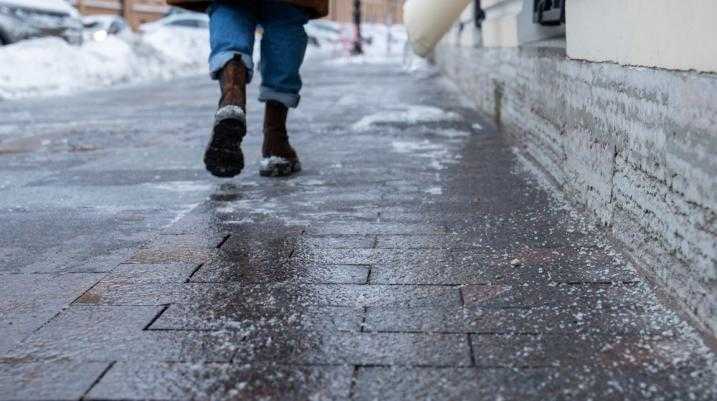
[{"x": 413, "y": 258}]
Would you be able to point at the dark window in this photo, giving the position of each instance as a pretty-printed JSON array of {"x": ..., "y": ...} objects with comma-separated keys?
[{"x": 549, "y": 12}]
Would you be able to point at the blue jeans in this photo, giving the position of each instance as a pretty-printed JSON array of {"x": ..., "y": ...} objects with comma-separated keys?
[{"x": 232, "y": 28}]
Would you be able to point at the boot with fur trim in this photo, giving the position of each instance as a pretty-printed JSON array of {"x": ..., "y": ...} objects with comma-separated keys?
[
  {"x": 223, "y": 156},
  {"x": 279, "y": 158}
]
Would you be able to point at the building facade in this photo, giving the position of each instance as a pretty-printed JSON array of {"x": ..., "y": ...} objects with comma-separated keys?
[
  {"x": 138, "y": 12},
  {"x": 372, "y": 11}
]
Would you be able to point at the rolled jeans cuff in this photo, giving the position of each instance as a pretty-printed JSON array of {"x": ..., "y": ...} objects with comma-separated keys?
[
  {"x": 219, "y": 60},
  {"x": 290, "y": 100}
]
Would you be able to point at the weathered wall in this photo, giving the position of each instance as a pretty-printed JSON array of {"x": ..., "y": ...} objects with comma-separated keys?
[
  {"x": 654, "y": 33},
  {"x": 637, "y": 146}
]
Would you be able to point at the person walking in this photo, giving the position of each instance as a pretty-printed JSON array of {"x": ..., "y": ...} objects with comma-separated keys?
[{"x": 232, "y": 28}]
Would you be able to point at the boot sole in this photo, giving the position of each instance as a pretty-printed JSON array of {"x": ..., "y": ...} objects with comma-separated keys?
[
  {"x": 223, "y": 157},
  {"x": 281, "y": 168}
]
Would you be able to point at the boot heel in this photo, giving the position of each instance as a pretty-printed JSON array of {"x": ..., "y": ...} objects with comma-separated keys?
[
  {"x": 223, "y": 156},
  {"x": 278, "y": 167}
]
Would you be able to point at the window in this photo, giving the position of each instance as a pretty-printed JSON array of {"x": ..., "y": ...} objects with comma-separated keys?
[{"x": 549, "y": 12}]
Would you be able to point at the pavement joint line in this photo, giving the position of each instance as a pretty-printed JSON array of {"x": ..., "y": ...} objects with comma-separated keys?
[
  {"x": 283, "y": 284},
  {"x": 45, "y": 323},
  {"x": 157, "y": 316},
  {"x": 354, "y": 382},
  {"x": 74, "y": 301},
  {"x": 268, "y": 283},
  {"x": 478, "y": 333},
  {"x": 470, "y": 350},
  {"x": 511, "y": 283},
  {"x": 223, "y": 329},
  {"x": 226, "y": 237},
  {"x": 194, "y": 271},
  {"x": 60, "y": 273},
  {"x": 97, "y": 380},
  {"x": 364, "y": 315},
  {"x": 332, "y": 284}
]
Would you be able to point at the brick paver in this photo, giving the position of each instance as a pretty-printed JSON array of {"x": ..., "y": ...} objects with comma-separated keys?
[{"x": 414, "y": 258}]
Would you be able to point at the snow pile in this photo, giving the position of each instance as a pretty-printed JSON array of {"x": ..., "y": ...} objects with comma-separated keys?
[
  {"x": 184, "y": 50},
  {"x": 50, "y": 66}
]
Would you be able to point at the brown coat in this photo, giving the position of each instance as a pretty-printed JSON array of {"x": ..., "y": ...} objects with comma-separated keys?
[{"x": 316, "y": 8}]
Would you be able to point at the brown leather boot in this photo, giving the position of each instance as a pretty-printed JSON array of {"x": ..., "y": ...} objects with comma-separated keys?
[
  {"x": 223, "y": 156},
  {"x": 279, "y": 158}
]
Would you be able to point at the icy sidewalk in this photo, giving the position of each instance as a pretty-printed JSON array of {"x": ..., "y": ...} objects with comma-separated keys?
[{"x": 414, "y": 258}]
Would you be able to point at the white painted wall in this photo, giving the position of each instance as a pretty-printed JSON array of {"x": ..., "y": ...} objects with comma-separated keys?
[
  {"x": 509, "y": 23},
  {"x": 670, "y": 34},
  {"x": 469, "y": 36}
]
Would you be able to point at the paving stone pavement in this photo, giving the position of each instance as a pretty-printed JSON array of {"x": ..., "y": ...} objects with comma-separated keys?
[{"x": 413, "y": 259}]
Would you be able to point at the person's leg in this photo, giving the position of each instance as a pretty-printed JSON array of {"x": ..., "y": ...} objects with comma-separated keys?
[
  {"x": 231, "y": 34},
  {"x": 283, "y": 46},
  {"x": 232, "y": 30}
]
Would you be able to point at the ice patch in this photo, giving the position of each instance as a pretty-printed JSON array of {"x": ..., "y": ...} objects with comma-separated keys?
[
  {"x": 434, "y": 190},
  {"x": 182, "y": 186},
  {"x": 313, "y": 182},
  {"x": 477, "y": 127},
  {"x": 438, "y": 154},
  {"x": 183, "y": 212},
  {"x": 407, "y": 114},
  {"x": 452, "y": 133},
  {"x": 413, "y": 147}
]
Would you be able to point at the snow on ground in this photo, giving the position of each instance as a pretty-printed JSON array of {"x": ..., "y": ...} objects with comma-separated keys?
[
  {"x": 50, "y": 66},
  {"x": 384, "y": 44}
]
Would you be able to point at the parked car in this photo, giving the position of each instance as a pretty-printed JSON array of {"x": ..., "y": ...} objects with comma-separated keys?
[
  {"x": 99, "y": 27},
  {"x": 25, "y": 19},
  {"x": 180, "y": 20}
]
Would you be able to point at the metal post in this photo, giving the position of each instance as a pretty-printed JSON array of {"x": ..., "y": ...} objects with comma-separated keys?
[{"x": 358, "y": 45}]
